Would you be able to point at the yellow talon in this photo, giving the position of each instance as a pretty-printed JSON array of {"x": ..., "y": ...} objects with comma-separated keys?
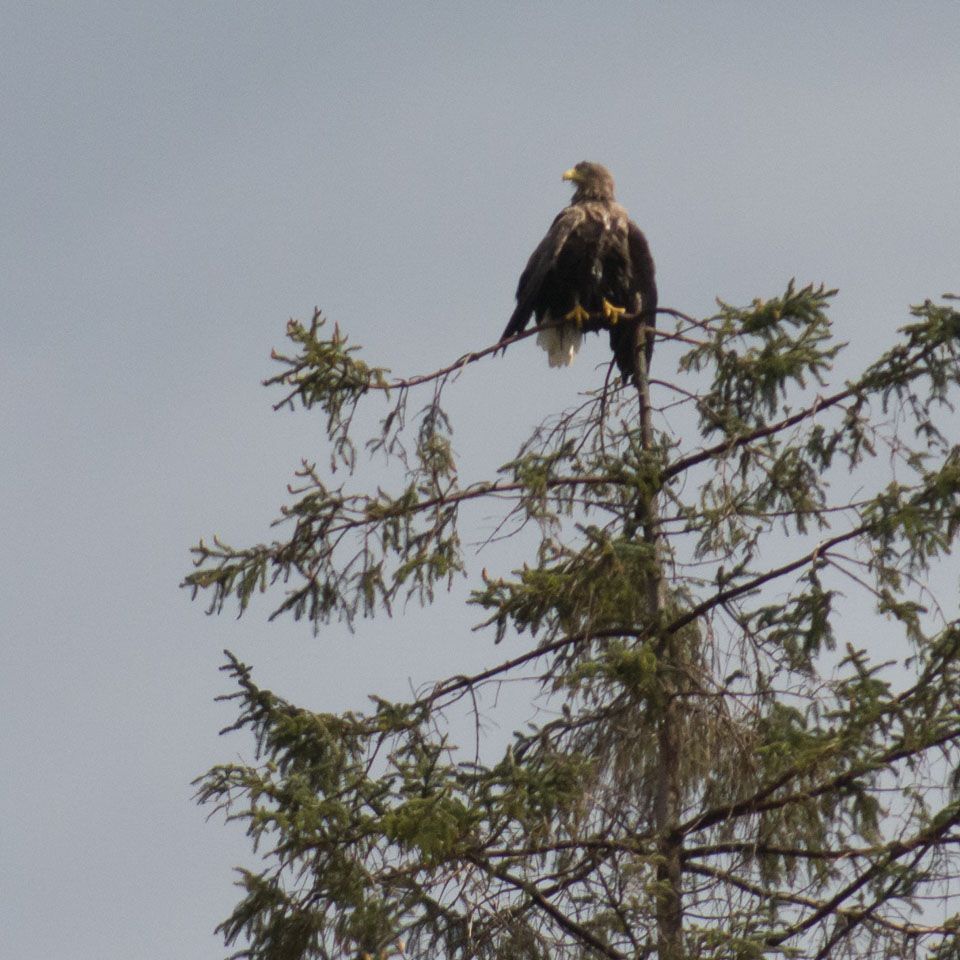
[
  {"x": 612, "y": 313},
  {"x": 577, "y": 315}
]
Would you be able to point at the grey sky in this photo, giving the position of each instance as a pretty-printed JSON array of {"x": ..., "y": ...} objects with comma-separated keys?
[{"x": 178, "y": 179}]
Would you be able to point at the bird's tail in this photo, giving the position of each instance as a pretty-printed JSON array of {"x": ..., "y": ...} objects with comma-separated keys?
[{"x": 561, "y": 344}]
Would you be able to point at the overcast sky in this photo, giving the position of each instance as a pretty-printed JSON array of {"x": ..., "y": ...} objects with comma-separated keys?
[{"x": 179, "y": 179}]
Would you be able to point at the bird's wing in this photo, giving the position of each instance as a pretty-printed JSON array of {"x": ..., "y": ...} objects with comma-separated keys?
[
  {"x": 541, "y": 261},
  {"x": 644, "y": 273}
]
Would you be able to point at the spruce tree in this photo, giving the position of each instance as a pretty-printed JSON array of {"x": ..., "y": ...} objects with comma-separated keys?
[{"x": 749, "y": 740}]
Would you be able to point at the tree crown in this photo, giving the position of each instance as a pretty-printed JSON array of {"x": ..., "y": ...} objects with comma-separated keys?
[{"x": 728, "y": 768}]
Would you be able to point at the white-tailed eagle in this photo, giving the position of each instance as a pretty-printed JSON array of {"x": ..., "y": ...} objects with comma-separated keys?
[{"x": 593, "y": 270}]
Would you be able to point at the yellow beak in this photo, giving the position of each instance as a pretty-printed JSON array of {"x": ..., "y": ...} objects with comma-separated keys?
[{"x": 571, "y": 174}]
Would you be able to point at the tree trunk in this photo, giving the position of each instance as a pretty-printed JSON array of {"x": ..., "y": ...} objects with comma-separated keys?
[{"x": 666, "y": 808}]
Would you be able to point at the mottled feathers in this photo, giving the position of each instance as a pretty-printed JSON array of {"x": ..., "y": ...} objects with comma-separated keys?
[{"x": 593, "y": 269}]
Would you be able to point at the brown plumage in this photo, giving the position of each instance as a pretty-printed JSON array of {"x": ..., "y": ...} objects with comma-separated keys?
[{"x": 594, "y": 262}]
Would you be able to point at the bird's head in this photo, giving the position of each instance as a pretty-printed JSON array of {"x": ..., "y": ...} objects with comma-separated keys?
[{"x": 593, "y": 182}]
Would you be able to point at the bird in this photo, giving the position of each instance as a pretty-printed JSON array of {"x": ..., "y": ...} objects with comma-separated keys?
[{"x": 592, "y": 270}]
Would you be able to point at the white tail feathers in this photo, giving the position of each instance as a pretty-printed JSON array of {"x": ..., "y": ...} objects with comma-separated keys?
[{"x": 561, "y": 344}]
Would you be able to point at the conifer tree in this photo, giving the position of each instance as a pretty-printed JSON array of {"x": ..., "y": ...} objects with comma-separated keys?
[{"x": 750, "y": 675}]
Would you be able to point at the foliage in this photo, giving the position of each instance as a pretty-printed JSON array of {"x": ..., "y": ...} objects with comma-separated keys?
[{"x": 733, "y": 766}]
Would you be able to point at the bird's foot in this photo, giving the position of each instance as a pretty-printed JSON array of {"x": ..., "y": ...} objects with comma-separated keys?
[
  {"x": 612, "y": 313},
  {"x": 577, "y": 315}
]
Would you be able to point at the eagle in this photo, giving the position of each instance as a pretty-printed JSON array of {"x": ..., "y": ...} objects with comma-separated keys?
[{"x": 592, "y": 270}]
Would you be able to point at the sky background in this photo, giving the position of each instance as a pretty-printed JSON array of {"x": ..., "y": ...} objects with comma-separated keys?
[{"x": 178, "y": 179}]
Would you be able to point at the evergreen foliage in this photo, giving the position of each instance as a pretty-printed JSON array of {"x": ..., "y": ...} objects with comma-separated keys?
[{"x": 739, "y": 762}]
